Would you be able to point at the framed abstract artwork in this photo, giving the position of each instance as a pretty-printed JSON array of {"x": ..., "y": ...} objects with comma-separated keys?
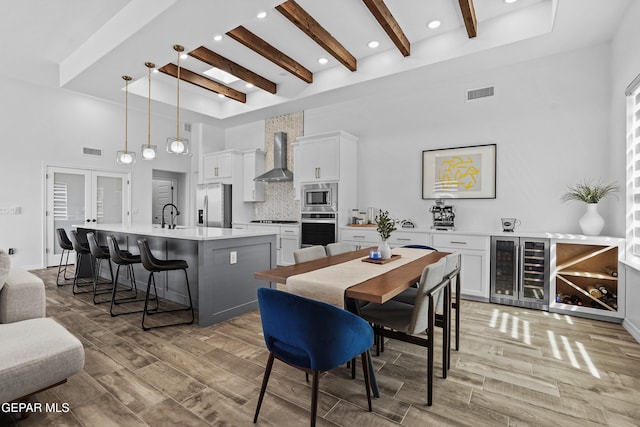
[{"x": 459, "y": 173}]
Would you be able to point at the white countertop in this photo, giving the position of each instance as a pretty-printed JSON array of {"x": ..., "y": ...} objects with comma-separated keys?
[
  {"x": 181, "y": 232},
  {"x": 500, "y": 233}
]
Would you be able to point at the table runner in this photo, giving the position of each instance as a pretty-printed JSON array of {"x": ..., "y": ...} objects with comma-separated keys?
[{"x": 328, "y": 284}]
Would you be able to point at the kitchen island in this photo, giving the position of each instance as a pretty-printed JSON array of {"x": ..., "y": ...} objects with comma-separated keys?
[{"x": 221, "y": 264}]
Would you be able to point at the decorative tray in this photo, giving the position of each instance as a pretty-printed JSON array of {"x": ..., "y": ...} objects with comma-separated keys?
[{"x": 381, "y": 261}]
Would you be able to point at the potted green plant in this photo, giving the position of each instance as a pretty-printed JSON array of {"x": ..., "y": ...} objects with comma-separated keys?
[
  {"x": 385, "y": 226},
  {"x": 591, "y": 222}
]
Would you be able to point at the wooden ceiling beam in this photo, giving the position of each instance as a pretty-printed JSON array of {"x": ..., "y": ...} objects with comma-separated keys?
[
  {"x": 261, "y": 47},
  {"x": 215, "y": 60},
  {"x": 203, "y": 82},
  {"x": 312, "y": 28},
  {"x": 469, "y": 16},
  {"x": 389, "y": 24}
]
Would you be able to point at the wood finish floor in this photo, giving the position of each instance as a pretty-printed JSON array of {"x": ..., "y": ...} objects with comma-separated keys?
[{"x": 515, "y": 367}]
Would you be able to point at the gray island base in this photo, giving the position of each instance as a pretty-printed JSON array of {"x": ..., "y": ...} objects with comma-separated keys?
[{"x": 221, "y": 265}]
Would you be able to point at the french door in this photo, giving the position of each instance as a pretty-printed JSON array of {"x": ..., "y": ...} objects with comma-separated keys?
[{"x": 81, "y": 196}]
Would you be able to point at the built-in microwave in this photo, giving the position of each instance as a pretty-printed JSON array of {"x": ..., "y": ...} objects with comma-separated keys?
[{"x": 320, "y": 197}]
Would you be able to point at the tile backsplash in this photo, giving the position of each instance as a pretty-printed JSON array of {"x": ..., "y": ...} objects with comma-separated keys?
[{"x": 279, "y": 203}]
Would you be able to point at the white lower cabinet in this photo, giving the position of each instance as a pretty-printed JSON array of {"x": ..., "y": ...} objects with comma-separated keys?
[
  {"x": 359, "y": 237},
  {"x": 289, "y": 242},
  {"x": 474, "y": 250},
  {"x": 287, "y": 239}
]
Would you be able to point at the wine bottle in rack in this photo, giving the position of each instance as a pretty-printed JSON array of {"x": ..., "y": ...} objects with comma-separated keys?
[
  {"x": 603, "y": 289},
  {"x": 594, "y": 292},
  {"x": 576, "y": 300},
  {"x": 610, "y": 270}
]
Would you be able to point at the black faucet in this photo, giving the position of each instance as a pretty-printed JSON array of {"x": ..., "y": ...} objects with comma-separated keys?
[{"x": 172, "y": 225}]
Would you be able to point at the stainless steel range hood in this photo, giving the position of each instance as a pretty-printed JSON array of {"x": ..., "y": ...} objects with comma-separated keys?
[{"x": 279, "y": 171}]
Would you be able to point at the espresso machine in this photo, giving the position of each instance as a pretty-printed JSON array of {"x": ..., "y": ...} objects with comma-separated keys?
[{"x": 443, "y": 216}]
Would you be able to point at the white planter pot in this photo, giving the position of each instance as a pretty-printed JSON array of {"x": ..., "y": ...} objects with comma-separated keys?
[
  {"x": 385, "y": 250},
  {"x": 591, "y": 222}
]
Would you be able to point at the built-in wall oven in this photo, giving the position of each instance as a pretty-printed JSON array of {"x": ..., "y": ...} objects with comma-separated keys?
[{"x": 319, "y": 214}]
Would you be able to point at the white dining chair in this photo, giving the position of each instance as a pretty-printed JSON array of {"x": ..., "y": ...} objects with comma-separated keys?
[
  {"x": 309, "y": 254},
  {"x": 338, "y": 248}
]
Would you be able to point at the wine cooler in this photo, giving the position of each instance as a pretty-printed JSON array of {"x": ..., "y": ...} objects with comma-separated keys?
[{"x": 520, "y": 272}]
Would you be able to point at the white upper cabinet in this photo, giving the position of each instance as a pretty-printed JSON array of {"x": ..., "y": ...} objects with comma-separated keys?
[
  {"x": 325, "y": 157},
  {"x": 219, "y": 166},
  {"x": 319, "y": 160},
  {"x": 252, "y": 166}
]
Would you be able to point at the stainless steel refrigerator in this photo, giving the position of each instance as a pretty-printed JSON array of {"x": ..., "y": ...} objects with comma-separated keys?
[
  {"x": 520, "y": 272},
  {"x": 213, "y": 205}
]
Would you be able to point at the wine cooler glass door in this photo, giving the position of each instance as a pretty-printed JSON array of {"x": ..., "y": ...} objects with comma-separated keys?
[
  {"x": 535, "y": 270},
  {"x": 504, "y": 269}
]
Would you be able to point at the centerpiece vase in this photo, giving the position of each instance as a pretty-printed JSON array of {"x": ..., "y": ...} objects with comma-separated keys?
[
  {"x": 385, "y": 249},
  {"x": 591, "y": 222}
]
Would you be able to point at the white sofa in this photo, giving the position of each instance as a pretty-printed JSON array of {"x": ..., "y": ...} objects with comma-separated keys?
[{"x": 36, "y": 352}]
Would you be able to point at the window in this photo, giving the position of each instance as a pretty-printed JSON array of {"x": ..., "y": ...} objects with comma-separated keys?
[{"x": 633, "y": 168}]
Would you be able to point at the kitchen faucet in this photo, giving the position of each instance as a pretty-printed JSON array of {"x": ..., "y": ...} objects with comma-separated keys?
[{"x": 172, "y": 224}]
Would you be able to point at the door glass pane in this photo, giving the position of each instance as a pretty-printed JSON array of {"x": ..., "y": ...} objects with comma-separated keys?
[
  {"x": 505, "y": 267},
  {"x": 533, "y": 273},
  {"x": 68, "y": 202},
  {"x": 109, "y": 200}
]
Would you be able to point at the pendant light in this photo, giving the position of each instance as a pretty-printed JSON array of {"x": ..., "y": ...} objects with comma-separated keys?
[
  {"x": 149, "y": 151},
  {"x": 126, "y": 157},
  {"x": 178, "y": 145}
]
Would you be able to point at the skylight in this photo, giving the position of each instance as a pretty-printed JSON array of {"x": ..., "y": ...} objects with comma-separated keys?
[{"x": 221, "y": 76}]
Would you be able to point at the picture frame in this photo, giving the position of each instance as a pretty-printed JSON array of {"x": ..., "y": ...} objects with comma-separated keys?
[{"x": 459, "y": 173}]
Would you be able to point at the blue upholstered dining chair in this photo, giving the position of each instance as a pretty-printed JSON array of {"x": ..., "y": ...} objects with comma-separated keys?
[{"x": 312, "y": 336}]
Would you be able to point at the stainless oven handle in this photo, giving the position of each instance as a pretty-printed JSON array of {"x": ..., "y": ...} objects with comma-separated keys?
[{"x": 318, "y": 221}]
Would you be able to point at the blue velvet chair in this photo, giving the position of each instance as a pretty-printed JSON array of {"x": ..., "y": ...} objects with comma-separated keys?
[{"x": 312, "y": 336}]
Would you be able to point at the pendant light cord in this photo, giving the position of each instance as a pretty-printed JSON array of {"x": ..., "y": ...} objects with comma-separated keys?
[{"x": 178, "y": 100}]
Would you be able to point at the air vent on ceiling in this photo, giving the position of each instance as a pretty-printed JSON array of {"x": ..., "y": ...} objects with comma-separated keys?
[
  {"x": 473, "y": 94},
  {"x": 92, "y": 151}
]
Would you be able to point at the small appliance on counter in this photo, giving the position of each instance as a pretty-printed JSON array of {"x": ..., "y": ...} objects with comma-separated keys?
[
  {"x": 509, "y": 224},
  {"x": 443, "y": 216}
]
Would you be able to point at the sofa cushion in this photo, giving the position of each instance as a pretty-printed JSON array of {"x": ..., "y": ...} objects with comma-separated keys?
[
  {"x": 23, "y": 297},
  {"x": 5, "y": 266},
  {"x": 36, "y": 354}
]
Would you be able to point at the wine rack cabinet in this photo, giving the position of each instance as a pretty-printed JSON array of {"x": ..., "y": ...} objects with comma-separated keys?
[{"x": 586, "y": 278}]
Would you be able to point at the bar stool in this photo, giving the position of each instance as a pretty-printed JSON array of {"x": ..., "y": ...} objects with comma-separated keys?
[
  {"x": 66, "y": 246},
  {"x": 154, "y": 265},
  {"x": 99, "y": 253},
  {"x": 127, "y": 259},
  {"x": 82, "y": 251}
]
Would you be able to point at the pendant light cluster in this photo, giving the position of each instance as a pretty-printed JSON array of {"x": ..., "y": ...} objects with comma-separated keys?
[{"x": 175, "y": 145}]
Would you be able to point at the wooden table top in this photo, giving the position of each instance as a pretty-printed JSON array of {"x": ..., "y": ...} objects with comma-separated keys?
[{"x": 379, "y": 289}]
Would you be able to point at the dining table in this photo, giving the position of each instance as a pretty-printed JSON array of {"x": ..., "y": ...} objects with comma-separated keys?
[{"x": 374, "y": 281}]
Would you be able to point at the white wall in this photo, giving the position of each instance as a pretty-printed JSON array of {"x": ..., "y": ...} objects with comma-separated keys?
[
  {"x": 625, "y": 65},
  {"x": 50, "y": 126},
  {"x": 549, "y": 119}
]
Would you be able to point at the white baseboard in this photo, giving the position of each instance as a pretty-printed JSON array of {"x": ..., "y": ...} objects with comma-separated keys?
[{"x": 632, "y": 329}]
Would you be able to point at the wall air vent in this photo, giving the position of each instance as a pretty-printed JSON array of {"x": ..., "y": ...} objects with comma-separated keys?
[
  {"x": 473, "y": 94},
  {"x": 96, "y": 152},
  {"x": 187, "y": 127}
]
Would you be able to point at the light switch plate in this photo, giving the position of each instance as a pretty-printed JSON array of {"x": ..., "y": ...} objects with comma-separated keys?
[{"x": 233, "y": 257}]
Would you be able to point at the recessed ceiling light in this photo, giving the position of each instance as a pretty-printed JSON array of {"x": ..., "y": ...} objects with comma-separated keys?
[
  {"x": 373, "y": 44},
  {"x": 510, "y": 1},
  {"x": 217, "y": 37},
  {"x": 155, "y": 70},
  {"x": 220, "y": 95},
  {"x": 248, "y": 85},
  {"x": 261, "y": 15},
  {"x": 323, "y": 60},
  {"x": 184, "y": 56},
  {"x": 434, "y": 24}
]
